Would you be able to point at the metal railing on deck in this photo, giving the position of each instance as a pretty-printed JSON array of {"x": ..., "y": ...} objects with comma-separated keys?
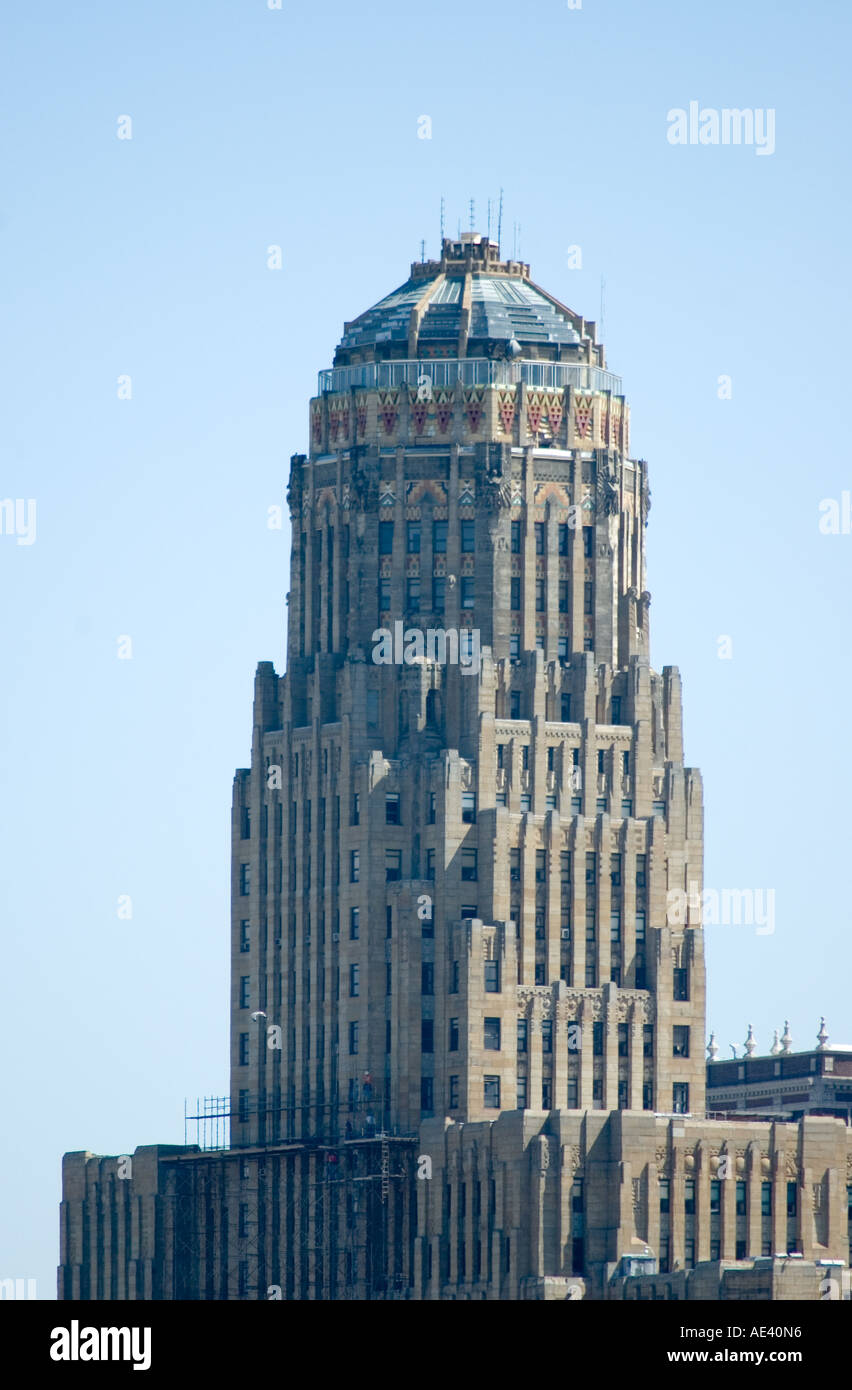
[{"x": 470, "y": 371}]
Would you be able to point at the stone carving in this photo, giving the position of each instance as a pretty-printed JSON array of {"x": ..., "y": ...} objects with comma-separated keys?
[
  {"x": 543, "y": 1153},
  {"x": 570, "y": 1157},
  {"x": 607, "y": 489},
  {"x": 497, "y": 488},
  {"x": 496, "y": 494},
  {"x": 364, "y": 481},
  {"x": 295, "y": 486}
]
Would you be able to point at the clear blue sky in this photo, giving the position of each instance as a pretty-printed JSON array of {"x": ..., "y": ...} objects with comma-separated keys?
[{"x": 253, "y": 127}]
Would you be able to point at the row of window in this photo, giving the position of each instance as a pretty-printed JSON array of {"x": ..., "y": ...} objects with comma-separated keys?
[
  {"x": 541, "y": 597},
  {"x": 414, "y": 533},
  {"x": 680, "y": 992},
  {"x": 467, "y": 537},
  {"x": 492, "y": 1032},
  {"x": 680, "y": 987},
  {"x": 468, "y": 859},
  {"x": 591, "y": 868},
  {"x": 413, "y": 594},
  {"x": 427, "y": 980},
  {"x": 740, "y": 1197},
  {"x": 540, "y": 535}
]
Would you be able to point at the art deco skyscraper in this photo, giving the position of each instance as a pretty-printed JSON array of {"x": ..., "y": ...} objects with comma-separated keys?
[
  {"x": 450, "y": 884},
  {"x": 466, "y": 1031}
]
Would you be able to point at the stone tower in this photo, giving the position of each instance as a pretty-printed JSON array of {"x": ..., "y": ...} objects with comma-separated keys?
[
  {"x": 467, "y": 800},
  {"x": 467, "y": 1009}
]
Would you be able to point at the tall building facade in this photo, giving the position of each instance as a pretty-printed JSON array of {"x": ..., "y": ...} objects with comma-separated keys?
[
  {"x": 467, "y": 1047},
  {"x": 450, "y": 876}
]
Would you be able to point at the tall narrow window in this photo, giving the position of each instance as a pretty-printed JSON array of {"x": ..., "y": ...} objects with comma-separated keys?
[{"x": 469, "y": 865}]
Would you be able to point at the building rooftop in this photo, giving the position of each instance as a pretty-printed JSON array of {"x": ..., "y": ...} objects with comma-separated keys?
[{"x": 468, "y": 296}]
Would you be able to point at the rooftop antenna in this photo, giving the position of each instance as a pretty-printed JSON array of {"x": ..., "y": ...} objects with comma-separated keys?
[
  {"x": 489, "y": 219},
  {"x": 442, "y": 225},
  {"x": 500, "y": 219},
  {"x": 472, "y": 215},
  {"x": 422, "y": 251}
]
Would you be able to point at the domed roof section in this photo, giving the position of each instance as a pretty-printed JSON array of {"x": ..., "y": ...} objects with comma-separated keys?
[{"x": 468, "y": 297}]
